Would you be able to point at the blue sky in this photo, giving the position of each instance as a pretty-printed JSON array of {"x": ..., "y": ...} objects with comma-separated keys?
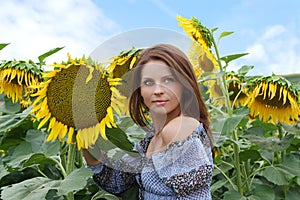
[{"x": 267, "y": 29}]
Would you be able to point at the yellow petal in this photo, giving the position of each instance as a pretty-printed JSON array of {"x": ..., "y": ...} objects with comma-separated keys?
[
  {"x": 44, "y": 121},
  {"x": 70, "y": 135}
]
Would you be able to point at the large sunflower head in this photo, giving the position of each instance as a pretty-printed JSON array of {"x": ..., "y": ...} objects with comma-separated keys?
[
  {"x": 76, "y": 96},
  {"x": 16, "y": 79},
  {"x": 273, "y": 99}
]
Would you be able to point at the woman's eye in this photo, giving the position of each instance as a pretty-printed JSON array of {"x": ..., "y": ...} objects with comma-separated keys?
[
  {"x": 169, "y": 80},
  {"x": 148, "y": 82}
]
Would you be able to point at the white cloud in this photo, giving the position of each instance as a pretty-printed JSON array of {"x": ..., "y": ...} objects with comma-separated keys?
[
  {"x": 33, "y": 27},
  {"x": 273, "y": 31},
  {"x": 276, "y": 51}
]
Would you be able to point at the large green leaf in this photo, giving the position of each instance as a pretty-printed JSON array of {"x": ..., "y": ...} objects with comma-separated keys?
[
  {"x": 270, "y": 143},
  {"x": 277, "y": 175},
  {"x": 231, "y": 123},
  {"x": 7, "y": 122},
  {"x": 37, "y": 139},
  {"x": 291, "y": 164},
  {"x": 37, "y": 188},
  {"x": 38, "y": 159},
  {"x": 34, "y": 150},
  {"x": 292, "y": 194},
  {"x": 262, "y": 192},
  {"x": 9, "y": 107},
  {"x": 75, "y": 181}
]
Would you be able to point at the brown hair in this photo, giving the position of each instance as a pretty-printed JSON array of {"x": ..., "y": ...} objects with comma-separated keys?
[{"x": 180, "y": 64}]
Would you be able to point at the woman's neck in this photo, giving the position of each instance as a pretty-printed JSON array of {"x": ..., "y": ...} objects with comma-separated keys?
[{"x": 160, "y": 121}]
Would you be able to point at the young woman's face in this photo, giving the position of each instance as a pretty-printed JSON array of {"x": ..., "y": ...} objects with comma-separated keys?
[{"x": 159, "y": 88}]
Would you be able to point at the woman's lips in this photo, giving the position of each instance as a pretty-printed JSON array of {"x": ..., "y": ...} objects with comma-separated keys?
[{"x": 160, "y": 102}]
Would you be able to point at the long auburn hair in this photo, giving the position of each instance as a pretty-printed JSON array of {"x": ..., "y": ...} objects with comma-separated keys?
[{"x": 179, "y": 63}]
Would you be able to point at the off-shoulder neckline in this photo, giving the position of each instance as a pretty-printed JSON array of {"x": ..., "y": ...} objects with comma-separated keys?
[{"x": 196, "y": 133}]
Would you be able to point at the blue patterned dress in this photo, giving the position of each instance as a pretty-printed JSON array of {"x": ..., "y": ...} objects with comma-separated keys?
[{"x": 182, "y": 171}]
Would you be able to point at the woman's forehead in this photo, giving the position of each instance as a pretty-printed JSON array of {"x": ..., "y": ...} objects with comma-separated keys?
[{"x": 157, "y": 68}]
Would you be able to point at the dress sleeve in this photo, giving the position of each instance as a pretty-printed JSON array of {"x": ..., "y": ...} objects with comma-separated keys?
[
  {"x": 186, "y": 167},
  {"x": 116, "y": 176}
]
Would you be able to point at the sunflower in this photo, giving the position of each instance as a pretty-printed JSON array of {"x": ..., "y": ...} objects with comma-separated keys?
[
  {"x": 122, "y": 63},
  {"x": 120, "y": 67},
  {"x": 16, "y": 79},
  {"x": 200, "y": 52},
  {"x": 76, "y": 96},
  {"x": 201, "y": 56},
  {"x": 235, "y": 87},
  {"x": 273, "y": 99}
]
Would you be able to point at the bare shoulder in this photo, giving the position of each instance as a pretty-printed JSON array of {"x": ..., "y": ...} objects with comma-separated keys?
[{"x": 179, "y": 129}]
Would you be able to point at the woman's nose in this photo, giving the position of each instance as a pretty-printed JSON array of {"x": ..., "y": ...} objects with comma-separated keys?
[{"x": 159, "y": 89}]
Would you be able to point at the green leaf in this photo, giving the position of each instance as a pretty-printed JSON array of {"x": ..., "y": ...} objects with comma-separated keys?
[
  {"x": 249, "y": 154},
  {"x": 232, "y": 194},
  {"x": 2, "y": 45},
  {"x": 37, "y": 139},
  {"x": 224, "y": 34},
  {"x": 119, "y": 138},
  {"x": 75, "y": 181},
  {"x": 232, "y": 57},
  {"x": 231, "y": 123},
  {"x": 277, "y": 175},
  {"x": 9, "y": 107},
  {"x": 292, "y": 194},
  {"x": 3, "y": 171},
  {"x": 102, "y": 194},
  {"x": 38, "y": 159},
  {"x": 244, "y": 70},
  {"x": 49, "y": 53},
  {"x": 217, "y": 185},
  {"x": 262, "y": 192},
  {"x": 7, "y": 122},
  {"x": 37, "y": 188},
  {"x": 291, "y": 164},
  {"x": 270, "y": 143},
  {"x": 267, "y": 155},
  {"x": 292, "y": 129}
]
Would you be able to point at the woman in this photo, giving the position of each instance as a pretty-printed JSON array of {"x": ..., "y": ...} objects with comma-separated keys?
[{"x": 176, "y": 154}]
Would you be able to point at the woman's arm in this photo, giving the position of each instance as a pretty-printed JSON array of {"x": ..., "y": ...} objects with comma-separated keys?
[{"x": 109, "y": 174}]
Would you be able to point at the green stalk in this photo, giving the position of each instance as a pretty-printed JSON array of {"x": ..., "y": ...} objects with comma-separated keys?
[
  {"x": 246, "y": 175},
  {"x": 71, "y": 158},
  {"x": 70, "y": 165},
  {"x": 236, "y": 148}
]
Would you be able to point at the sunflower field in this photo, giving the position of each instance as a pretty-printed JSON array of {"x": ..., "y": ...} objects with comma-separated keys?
[{"x": 48, "y": 116}]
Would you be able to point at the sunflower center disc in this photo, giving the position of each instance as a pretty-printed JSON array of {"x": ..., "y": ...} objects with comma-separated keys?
[{"x": 76, "y": 103}]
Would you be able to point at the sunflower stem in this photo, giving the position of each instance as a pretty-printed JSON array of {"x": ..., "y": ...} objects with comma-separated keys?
[
  {"x": 71, "y": 158},
  {"x": 223, "y": 80},
  {"x": 229, "y": 109},
  {"x": 236, "y": 150},
  {"x": 70, "y": 165}
]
